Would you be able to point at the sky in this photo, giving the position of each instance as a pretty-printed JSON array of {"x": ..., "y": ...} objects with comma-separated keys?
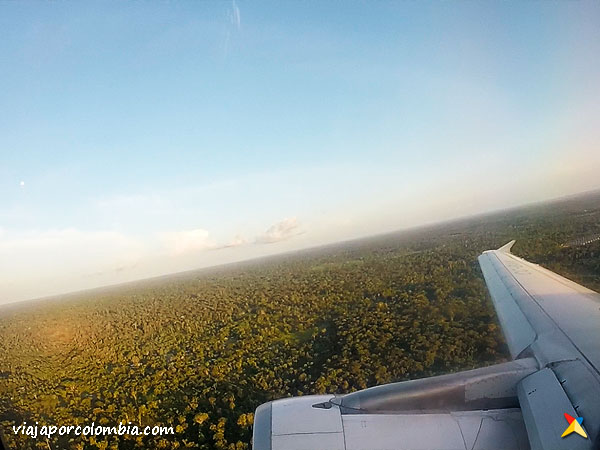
[{"x": 145, "y": 138}]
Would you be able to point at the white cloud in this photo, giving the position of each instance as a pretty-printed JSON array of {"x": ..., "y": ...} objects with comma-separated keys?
[
  {"x": 64, "y": 239},
  {"x": 58, "y": 259},
  {"x": 235, "y": 15},
  {"x": 237, "y": 241},
  {"x": 280, "y": 231},
  {"x": 70, "y": 259},
  {"x": 233, "y": 27},
  {"x": 182, "y": 242}
]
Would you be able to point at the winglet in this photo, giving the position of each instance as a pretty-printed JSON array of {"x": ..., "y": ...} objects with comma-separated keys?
[{"x": 506, "y": 247}]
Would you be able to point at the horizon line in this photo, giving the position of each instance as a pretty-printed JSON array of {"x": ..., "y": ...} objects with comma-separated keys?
[{"x": 304, "y": 249}]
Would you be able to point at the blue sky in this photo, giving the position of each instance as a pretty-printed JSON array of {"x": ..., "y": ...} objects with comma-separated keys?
[{"x": 145, "y": 138}]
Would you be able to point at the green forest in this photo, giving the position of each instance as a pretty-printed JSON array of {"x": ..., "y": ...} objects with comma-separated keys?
[{"x": 199, "y": 351}]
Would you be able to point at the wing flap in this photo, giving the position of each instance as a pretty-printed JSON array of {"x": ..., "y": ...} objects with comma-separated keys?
[{"x": 543, "y": 404}]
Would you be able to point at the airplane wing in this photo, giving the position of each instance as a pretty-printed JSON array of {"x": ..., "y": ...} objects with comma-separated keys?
[
  {"x": 552, "y": 328},
  {"x": 537, "y": 308},
  {"x": 557, "y": 321}
]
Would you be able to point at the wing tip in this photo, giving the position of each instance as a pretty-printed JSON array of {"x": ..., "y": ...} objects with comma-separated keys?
[{"x": 506, "y": 247}]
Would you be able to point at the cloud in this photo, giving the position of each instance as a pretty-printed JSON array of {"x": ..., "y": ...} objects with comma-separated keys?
[
  {"x": 63, "y": 239},
  {"x": 234, "y": 15},
  {"x": 181, "y": 242},
  {"x": 237, "y": 241},
  {"x": 42, "y": 262},
  {"x": 233, "y": 27},
  {"x": 69, "y": 259},
  {"x": 185, "y": 242},
  {"x": 280, "y": 231}
]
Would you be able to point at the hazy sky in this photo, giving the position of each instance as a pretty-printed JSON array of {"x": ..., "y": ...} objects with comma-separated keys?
[{"x": 144, "y": 138}]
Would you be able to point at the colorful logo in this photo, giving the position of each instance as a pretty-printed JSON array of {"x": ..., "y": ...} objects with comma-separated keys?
[{"x": 574, "y": 426}]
